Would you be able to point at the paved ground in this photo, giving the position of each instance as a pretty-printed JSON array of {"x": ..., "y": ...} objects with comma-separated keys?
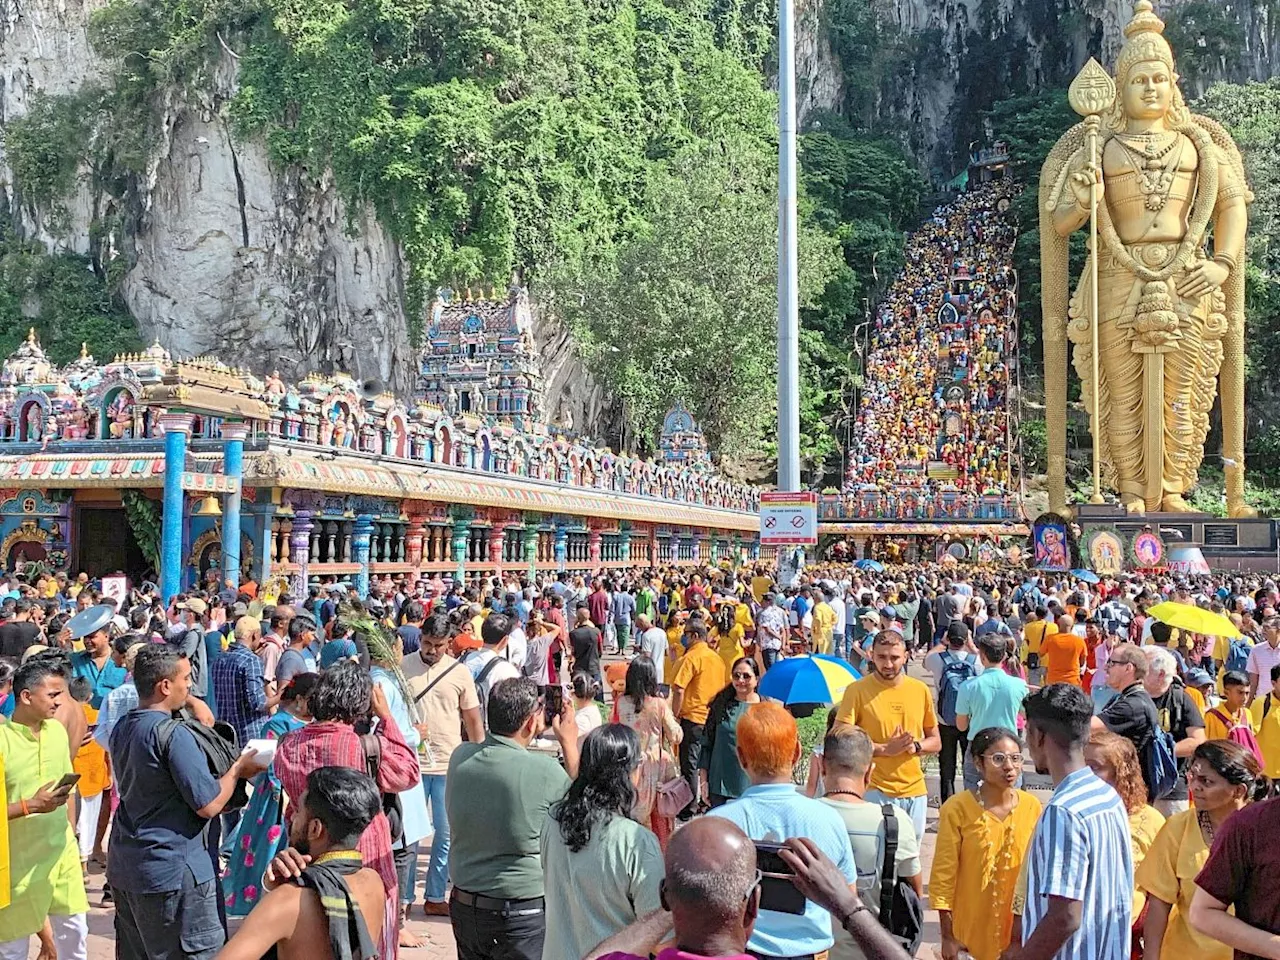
[{"x": 438, "y": 935}]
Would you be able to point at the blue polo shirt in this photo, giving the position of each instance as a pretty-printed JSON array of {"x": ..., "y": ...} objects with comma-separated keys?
[
  {"x": 157, "y": 835},
  {"x": 991, "y": 699},
  {"x": 777, "y": 812},
  {"x": 104, "y": 680}
]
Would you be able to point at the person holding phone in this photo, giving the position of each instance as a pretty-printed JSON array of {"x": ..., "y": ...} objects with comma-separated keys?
[{"x": 44, "y": 860}]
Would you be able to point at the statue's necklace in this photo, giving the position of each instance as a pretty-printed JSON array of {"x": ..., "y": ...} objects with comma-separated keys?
[{"x": 1156, "y": 166}]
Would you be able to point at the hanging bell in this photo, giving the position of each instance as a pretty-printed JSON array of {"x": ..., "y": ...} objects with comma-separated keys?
[{"x": 208, "y": 507}]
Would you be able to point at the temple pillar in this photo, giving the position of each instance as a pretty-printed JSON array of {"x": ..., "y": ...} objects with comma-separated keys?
[
  {"x": 413, "y": 541},
  {"x": 233, "y": 435},
  {"x": 530, "y": 545},
  {"x": 360, "y": 541},
  {"x": 624, "y": 542},
  {"x": 177, "y": 427},
  {"x": 300, "y": 546},
  {"x": 461, "y": 541},
  {"x": 264, "y": 541},
  {"x": 562, "y": 546},
  {"x": 594, "y": 539},
  {"x": 497, "y": 538}
]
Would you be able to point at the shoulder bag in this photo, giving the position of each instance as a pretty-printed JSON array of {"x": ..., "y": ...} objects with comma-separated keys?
[{"x": 901, "y": 912}]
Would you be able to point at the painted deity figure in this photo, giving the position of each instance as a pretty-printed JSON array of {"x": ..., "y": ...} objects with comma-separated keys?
[
  {"x": 34, "y": 422},
  {"x": 120, "y": 416},
  {"x": 274, "y": 388},
  {"x": 1170, "y": 317}
]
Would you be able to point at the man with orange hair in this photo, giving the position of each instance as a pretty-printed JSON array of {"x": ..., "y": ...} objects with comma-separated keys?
[{"x": 772, "y": 810}]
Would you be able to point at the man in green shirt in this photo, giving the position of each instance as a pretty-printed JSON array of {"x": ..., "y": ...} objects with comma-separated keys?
[{"x": 497, "y": 794}]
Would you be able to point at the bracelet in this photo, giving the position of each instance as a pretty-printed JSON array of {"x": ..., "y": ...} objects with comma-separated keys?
[
  {"x": 25, "y": 811},
  {"x": 848, "y": 917},
  {"x": 1225, "y": 260}
]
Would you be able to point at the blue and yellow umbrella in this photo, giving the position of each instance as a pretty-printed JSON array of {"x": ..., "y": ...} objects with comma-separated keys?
[{"x": 814, "y": 678}]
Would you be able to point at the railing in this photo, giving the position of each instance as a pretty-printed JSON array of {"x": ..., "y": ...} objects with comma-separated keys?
[{"x": 912, "y": 504}]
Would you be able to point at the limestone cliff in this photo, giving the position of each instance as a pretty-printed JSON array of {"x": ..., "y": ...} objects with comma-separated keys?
[{"x": 227, "y": 254}]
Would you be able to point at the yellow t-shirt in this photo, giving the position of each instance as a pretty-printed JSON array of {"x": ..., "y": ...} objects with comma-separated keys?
[
  {"x": 1268, "y": 732},
  {"x": 1168, "y": 872},
  {"x": 1034, "y": 634},
  {"x": 1198, "y": 698},
  {"x": 880, "y": 709},
  {"x": 675, "y": 649},
  {"x": 824, "y": 621},
  {"x": 701, "y": 674},
  {"x": 1144, "y": 826},
  {"x": 1215, "y": 729},
  {"x": 742, "y": 616},
  {"x": 729, "y": 646},
  {"x": 760, "y": 586}
]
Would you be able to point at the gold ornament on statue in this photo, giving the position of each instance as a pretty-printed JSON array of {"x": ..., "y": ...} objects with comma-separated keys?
[{"x": 1157, "y": 326}]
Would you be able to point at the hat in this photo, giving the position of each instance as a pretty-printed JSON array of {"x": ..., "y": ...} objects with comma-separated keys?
[
  {"x": 870, "y": 615},
  {"x": 337, "y": 588},
  {"x": 1198, "y": 678},
  {"x": 889, "y": 613},
  {"x": 239, "y": 610},
  {"x": 195, "y": 605},
  {"x": 957, "y": 630}
]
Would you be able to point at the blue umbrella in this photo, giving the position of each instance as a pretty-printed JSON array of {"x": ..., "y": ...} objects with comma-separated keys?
[
  {"x": 814, "y": 678},
  {"x": 1088, "y": 576},
  {"x": 873, "y": 565}
]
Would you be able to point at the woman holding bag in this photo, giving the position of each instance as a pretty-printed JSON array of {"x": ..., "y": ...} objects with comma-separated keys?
[{"x": 649, "y": 715}]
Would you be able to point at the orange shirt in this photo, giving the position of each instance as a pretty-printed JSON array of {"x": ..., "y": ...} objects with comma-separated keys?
[{"x": 1062, "y": 654}]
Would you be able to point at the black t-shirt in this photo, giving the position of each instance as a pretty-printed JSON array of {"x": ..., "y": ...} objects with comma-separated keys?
[
  {"x": 1132, "y": 715},
  {"x": 16, "y": 637},
  {"x": 1177, "y": 714},
  {"x": 585, "y": 643}
]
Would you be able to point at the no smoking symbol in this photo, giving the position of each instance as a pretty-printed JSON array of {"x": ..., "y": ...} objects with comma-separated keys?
[{"x": 797, "y": 522}]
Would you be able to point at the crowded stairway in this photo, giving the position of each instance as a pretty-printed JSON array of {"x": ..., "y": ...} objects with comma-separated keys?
[{"x": 933, "y": 420}]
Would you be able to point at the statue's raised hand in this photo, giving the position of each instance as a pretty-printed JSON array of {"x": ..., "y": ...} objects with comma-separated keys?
[{"x": 1082, "y": 179}]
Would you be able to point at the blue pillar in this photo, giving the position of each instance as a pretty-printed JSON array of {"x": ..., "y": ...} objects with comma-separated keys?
[
  {"x": 233, "y": 435},
  {"x": 176, "y": 428},
  {"x": 562, "y": 546},
  {"x": 361, "y": 533},
  {"x": 624, "y": 542}
]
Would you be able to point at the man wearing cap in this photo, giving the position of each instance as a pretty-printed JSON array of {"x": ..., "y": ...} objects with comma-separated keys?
[
  {"x": 188, "y": 638},
  {"x": 94, "y": 662}
]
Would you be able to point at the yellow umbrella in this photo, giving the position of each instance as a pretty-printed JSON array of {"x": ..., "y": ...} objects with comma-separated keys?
[{"x": 1193, "y": 619}]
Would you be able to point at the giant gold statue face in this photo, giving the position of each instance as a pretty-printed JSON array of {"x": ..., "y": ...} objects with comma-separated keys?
[{"x": 1148, "y": 90}]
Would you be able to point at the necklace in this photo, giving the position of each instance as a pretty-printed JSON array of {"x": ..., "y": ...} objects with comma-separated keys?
[
  {"x": 844, "y": 793},
  {"x": 1206, "y": 826},
  {"x": 1156, "y": 168}
]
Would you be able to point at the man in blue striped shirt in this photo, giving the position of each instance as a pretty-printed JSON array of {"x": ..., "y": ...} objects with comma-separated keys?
[{"x": 1079, "y": 867}]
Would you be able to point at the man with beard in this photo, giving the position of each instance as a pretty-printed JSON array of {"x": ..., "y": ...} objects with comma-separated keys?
[
  {"x": 897, "y": 713},
  {"x": 324, "y": 903},
  {"x": 446, "y": 703}
]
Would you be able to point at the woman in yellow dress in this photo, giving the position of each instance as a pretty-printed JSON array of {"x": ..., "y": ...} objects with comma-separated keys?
[
  {"x": 1224, "y": 776},
  {"x": 1114, "y": 759},
  {"x": 983, "y": 836},
  {"x": 728, "y": 636}
]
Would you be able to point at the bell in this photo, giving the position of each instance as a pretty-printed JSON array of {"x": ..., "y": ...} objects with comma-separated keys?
[{"x": 208, "y": 507}]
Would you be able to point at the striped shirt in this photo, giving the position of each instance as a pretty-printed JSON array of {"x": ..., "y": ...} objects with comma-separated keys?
[{"x": 1081, "y": 851}]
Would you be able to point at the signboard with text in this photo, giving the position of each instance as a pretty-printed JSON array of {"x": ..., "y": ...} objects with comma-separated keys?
[{"x": 788, "y": 518}]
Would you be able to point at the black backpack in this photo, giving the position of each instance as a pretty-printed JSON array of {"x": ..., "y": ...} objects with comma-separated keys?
[
  {"x": 219, "y": 744},
  {"x": 901, "y": 912}
]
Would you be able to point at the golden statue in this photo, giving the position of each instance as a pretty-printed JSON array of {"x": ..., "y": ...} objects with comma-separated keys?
[{"x": 1169, "y": 318}]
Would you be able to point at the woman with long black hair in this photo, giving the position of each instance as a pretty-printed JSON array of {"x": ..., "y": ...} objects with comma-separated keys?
[
  {"x": 649, "y": 715},
  {"x": 602, "y": 869}
]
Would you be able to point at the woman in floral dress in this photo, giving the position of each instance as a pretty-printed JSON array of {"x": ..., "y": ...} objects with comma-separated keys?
[{"x": 649, "y": 715}]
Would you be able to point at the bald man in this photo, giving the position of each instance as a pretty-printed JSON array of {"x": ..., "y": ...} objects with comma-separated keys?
[{"x": 711, "y": 898}]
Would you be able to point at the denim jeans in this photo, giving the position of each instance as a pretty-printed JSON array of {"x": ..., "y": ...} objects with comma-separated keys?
[
  {"x": 438, "y": 868},
  {"x": 914, "y": 807},
  {"x": 770, "y": 657}
]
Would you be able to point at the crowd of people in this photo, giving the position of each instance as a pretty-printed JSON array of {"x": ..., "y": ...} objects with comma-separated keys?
[
  {"x": 936, "y": 378},
  {"x": 597, "y": 772}
]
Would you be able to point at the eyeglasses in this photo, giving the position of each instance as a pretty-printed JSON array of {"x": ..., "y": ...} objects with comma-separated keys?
[
  {"x": 1005, "y": 759},
  {"x": 754, "y": 883},
  {"x": 744, "y": 676}
]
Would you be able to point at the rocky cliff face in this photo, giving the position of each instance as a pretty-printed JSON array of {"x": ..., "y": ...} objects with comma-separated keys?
[{"x": 226, "y": 253}]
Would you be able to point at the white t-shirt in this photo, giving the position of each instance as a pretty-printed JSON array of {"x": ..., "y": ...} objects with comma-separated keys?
[
  {"x": 653, "y": 644},
  {"x": 587, "y": 719},
  {"x": 517, "y": 647},
  {"x": 476, "y": 661}
]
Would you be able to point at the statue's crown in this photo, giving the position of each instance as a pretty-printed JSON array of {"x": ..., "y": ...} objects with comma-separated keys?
[{"x": 1144, "y": 20}]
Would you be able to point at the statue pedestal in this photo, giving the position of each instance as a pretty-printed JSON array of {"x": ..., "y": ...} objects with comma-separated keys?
[{"x": 1227, "y": 543}]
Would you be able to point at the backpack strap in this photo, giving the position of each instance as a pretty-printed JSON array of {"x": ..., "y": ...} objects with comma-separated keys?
[
  {"x": 889, "y": 868},
  {"x": 1223, "y": 719},
  {"x": 488, "y": 668}
]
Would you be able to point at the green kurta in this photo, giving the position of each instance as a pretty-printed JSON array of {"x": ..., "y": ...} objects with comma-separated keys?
[
  {"x": 44, "y": 861},
  {"x": 725, "y": 775}
]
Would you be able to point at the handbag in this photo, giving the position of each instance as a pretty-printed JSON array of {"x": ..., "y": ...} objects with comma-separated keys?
[
  {"x": 901, "y": 912},
  {"x": 674, "y": 794}
]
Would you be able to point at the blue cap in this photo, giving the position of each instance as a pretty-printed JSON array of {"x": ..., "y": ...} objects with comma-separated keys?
[{"x": 1198, "y": 678}]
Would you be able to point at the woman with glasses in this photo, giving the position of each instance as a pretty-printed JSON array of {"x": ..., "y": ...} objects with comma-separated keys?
[
  {"x": 1223, "y": 777},
  {"x": 983, "y": 835},
  {"x": 722, "y": 776}
]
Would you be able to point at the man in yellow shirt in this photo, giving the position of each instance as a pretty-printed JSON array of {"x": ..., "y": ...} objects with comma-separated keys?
[
  {"x": 821, "y": 634},
  {"x": 1266, "y": 721},
  {"x": 1232, "y": 711},
  {"x": 698, "y": 677},
  {"x": 897, "y": 713},
  {"x": 1033, "y": 632},
  {"x": 44, "y": 861}
]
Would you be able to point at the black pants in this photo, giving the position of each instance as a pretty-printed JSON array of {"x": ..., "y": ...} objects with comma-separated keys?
[
  {"x": 954, "y": 743},
  {"x": 515, "y": 934},
  {"x": 690, "y": 754},
  {"x": 404, "y": 858},
  {"x": 177, "y": 925}
]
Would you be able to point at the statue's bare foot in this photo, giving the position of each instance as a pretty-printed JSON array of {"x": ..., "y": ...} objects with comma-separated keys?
[
  {"x": 1173, "y": 503},
  {"x": 1240, "y": 509},
  {"x": 1133, "y": 504}
]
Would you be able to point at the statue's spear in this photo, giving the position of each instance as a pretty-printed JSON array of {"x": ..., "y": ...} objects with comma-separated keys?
[{"x": 1090, "y": 93}]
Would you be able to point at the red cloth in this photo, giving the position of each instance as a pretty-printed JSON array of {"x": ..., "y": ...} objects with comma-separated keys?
[{"x": 333, "y": 744}]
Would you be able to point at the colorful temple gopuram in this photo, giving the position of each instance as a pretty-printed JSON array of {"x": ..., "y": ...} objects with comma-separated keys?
[{"x": 255, "y": 477}]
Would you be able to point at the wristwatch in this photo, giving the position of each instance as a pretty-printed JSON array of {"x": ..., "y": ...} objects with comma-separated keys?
[{"x": 916, "y": 748}]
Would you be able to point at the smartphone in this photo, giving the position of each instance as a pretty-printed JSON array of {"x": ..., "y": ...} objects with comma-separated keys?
[
  {"x": 554, "y": 701},
  {"x": 67, "y": 782},
  {"x": 777, "y": 892}
]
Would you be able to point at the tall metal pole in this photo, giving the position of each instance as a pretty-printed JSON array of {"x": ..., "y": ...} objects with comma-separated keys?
[{"x": 788, "y": 286}]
